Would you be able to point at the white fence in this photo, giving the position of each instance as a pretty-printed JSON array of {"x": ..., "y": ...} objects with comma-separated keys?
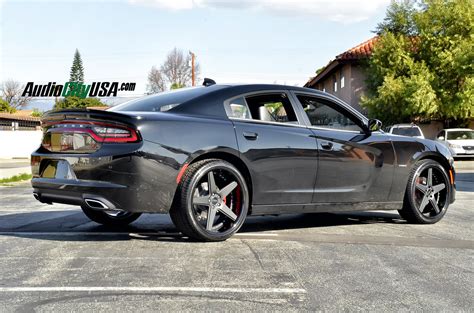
[{"x": 19, "y": 144}]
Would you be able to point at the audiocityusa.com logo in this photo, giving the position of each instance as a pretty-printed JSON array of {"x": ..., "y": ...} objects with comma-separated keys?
[{"x": 78, "y": 89}]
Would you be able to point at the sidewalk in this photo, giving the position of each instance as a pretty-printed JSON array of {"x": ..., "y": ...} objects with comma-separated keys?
[
  {"x": 12, "y": 167},
  {"x": 464, "y": 165}
]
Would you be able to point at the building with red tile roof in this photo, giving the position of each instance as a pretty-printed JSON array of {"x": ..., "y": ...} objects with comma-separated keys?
[
  {"x": 21, "y": 119},
  {"x": 344, "y": 76}
]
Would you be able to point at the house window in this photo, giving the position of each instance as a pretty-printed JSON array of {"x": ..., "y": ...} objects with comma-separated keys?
[
  {"x": 335, "y": 83},
  {"x": 342, "y": 80}
]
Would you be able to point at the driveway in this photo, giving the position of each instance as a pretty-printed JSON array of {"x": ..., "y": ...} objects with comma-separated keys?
[{"x": 54, "y": 258}]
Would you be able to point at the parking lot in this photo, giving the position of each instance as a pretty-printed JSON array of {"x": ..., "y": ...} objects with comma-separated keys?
[{"x": 54, "y": 258}]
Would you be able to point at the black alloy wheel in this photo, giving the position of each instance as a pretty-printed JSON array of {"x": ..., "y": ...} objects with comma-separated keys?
[
  {"x": 213, "y": 201},
  {"x": 427, "y": 194}
]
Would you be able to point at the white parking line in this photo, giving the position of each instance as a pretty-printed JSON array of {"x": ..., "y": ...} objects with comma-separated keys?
[
  {"x": 154, "y": 289},
  {"x": 256, "y": 234}
]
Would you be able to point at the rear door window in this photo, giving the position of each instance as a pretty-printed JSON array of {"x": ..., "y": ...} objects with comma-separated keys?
[
  {"x": 271, "y": 107},
  {"x": 237, "y": 108}
]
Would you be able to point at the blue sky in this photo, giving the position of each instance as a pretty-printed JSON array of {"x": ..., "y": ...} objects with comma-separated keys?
[{"x": 269, "y": 41}]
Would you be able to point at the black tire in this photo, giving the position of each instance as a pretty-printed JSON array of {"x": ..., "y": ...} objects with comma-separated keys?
[
  {"x": 122, "y": 219},
  {"x": 189, "y": 217},
  {"x": 424, "y": 201}
]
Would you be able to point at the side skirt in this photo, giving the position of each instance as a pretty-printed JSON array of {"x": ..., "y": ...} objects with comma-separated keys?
[{"x": 324, "y": 207}]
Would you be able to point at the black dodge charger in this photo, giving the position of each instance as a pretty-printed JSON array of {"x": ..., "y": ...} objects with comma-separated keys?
[{"x": 212, "y": 155}]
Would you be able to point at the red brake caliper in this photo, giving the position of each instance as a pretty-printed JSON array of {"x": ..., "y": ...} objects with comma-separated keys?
[{"x": 238, "y": 201}]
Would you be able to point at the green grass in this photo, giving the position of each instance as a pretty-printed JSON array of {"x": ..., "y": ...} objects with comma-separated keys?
[{"x": 15, "y": 178}]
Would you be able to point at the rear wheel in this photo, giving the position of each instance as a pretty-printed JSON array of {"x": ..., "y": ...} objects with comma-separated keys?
[
  {"x": 212, "y": 201},
  {"x": 427, "y": 193},
  {"x": 110, "y": 217}
]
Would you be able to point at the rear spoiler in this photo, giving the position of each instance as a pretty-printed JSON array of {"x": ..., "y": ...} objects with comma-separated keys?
[{"x": 86, "y": 114}]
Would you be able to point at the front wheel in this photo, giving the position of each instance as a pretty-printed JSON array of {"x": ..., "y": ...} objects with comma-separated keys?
[
  {"x": 212, "y": 201},
  {"x": 427, "y": 193},
  {"x": 110, "y": 218}
]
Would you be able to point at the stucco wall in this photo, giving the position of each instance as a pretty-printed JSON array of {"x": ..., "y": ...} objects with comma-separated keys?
[
  {"x": 432, "y": 129},
  {"x": 19, "y": 144},
  {"x": 358, "y": 88},
  {"x": 354, "y": 84}
]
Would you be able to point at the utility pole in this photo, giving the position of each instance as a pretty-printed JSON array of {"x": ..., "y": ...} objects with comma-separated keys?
[{"x": 193, "y": 56}]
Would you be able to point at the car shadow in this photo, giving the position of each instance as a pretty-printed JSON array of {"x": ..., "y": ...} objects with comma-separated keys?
[{"x": 73, "y": 225}]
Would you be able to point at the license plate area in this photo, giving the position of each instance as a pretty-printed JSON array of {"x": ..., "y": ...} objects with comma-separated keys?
[{"x": 57, "y": 169}]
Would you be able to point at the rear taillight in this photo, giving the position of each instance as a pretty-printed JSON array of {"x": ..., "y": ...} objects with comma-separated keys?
[
  {"x": 85, "y": 136},
  {"x": 115, "y": 134}
]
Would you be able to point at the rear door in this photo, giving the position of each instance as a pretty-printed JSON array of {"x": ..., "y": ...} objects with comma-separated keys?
[
  {"x": 279, "y": 151},
  {"x": 354, "y": 165}
]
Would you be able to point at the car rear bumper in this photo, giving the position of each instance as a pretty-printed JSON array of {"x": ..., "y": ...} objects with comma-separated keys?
[
  {"x": 78, "y": 192},
  {"x": 131, "y": 182}
]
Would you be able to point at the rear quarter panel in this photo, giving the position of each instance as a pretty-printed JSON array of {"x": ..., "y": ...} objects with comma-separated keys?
[{"x": 172, "y": 140}]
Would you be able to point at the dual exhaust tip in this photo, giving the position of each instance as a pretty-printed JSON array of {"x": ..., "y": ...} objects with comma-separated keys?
[
  {"x": 96, "y": 204},
  {"x": 100, "y": 205}
]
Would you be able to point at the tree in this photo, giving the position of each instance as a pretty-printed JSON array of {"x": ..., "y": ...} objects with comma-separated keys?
[
  {"x": 177, "y": 68},
  {"x": 176, "y": 86},
  {"x": 36, "y": 113},
  {"x": 422, "y": 67},
  {"x": 156, "y": 83},
  {"x": 77, "y": 70},
  {"x": 399, "y": 18},
  {"x": 76, "y": 102},
  {"x": 5, "y": 107},
  {"x": 175, "y": 72},
  {"x": 11, "y": 93}
]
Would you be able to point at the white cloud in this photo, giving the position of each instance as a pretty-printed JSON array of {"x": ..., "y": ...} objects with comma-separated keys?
[{"x": 345, "y": 11}]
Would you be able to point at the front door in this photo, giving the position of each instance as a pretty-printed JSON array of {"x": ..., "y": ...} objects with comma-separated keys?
[{"x": 354, "y": 165}]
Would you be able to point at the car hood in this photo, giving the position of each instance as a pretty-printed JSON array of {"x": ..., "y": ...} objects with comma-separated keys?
[{"x": 464, "y": 142}]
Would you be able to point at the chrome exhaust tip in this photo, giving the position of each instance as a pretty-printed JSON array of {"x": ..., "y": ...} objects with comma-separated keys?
[{"x": 96, "y": 204}]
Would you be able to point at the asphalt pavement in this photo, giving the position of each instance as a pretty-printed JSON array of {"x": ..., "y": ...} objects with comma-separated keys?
[{"x": 52, "y": 258}]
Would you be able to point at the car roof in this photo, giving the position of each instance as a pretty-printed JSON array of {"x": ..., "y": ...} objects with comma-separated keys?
[{"x": 210, "y": 103}]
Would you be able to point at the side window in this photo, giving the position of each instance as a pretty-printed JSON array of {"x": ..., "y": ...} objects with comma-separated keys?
[
  {"x": 275, "y": 107},
  {"x": 237, "y": 108},
  {"x": 321, "y": 114}
]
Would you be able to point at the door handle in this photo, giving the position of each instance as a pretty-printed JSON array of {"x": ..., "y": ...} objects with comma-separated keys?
[
  {"x": 326, "y": 145},
  {"x": 250, "y": 135}
]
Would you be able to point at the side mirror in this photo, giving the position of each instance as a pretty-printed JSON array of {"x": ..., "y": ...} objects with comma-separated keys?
[
  {"x": 374, "y": 125},
  {"x": 441, "y": 138}
]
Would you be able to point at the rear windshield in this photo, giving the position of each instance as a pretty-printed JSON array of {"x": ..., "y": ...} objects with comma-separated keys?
[
  {"x": 164, "y": 101},
  {"x": 460, "y": 135},
  {"x": 406, "y": 131}
]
